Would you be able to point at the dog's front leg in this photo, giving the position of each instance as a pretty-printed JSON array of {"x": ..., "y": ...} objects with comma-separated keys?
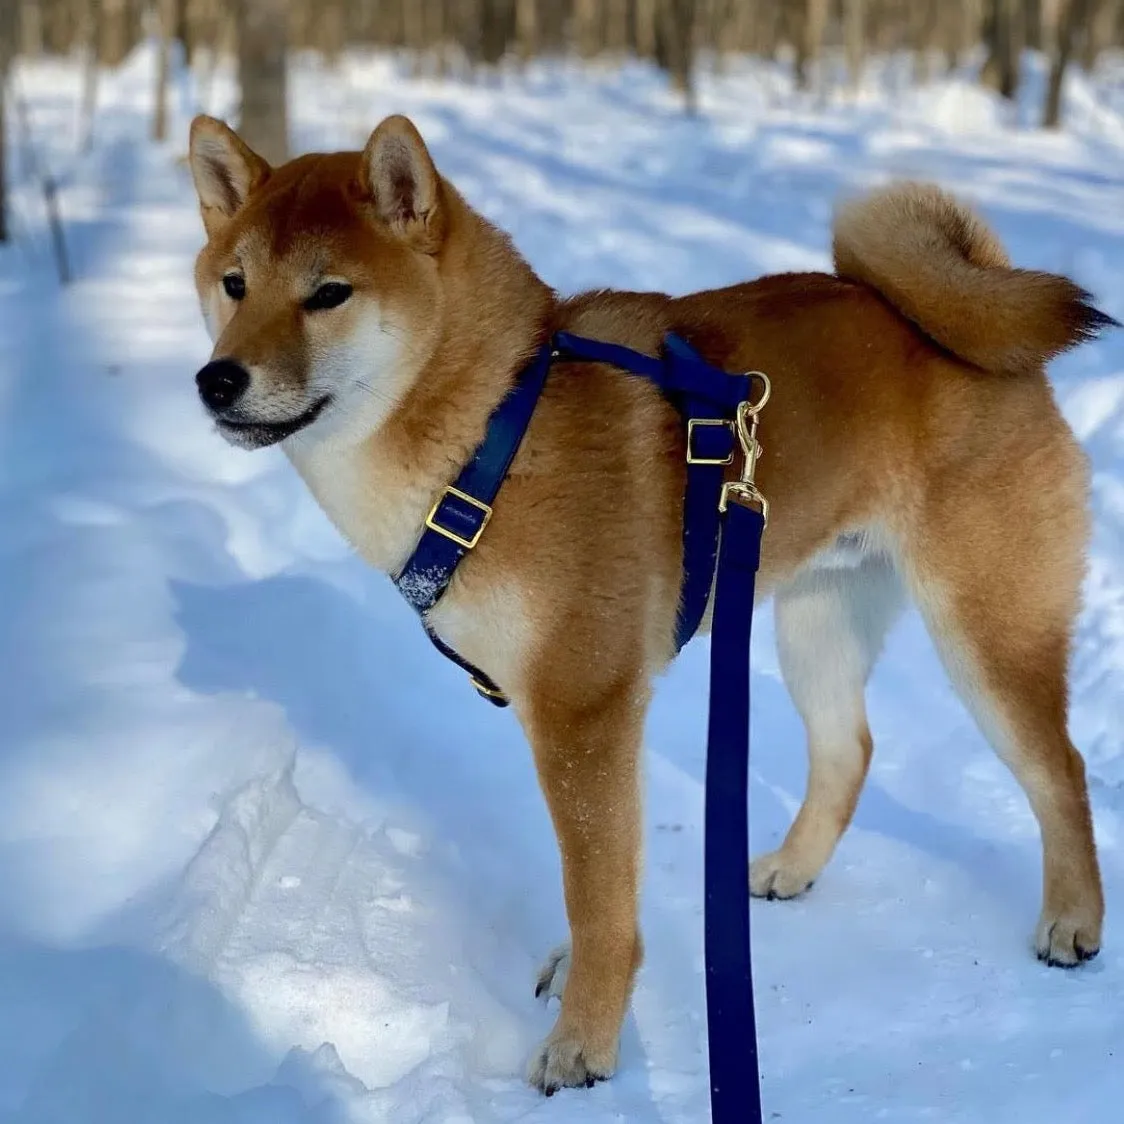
[{"x": 588, "y": 763}]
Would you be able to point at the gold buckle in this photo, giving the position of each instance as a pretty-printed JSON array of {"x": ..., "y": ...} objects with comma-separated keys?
[
  {"x": 472, "y": 501},
  {"x": 692, "y": 424},
  {"x": 487, "y": 692}
]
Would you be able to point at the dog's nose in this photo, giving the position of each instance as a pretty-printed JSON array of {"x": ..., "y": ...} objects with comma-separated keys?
[{"x": 221, "y": 383}]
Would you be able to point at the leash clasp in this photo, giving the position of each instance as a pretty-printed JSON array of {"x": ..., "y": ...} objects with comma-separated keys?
[{"x": 744, "y": 490}]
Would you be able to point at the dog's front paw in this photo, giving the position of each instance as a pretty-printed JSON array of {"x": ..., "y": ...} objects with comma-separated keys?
[
  {"x": 776, "y": 876},
  {"x": 566, "y": 1060},
  {"x": 553, "y": 974},
  {"x": 1066, "y": 938}
]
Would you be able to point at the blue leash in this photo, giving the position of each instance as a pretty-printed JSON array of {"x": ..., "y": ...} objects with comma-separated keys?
[
  {"x": 735, "y": 1093},
  {"x": 723, "y": 522}
]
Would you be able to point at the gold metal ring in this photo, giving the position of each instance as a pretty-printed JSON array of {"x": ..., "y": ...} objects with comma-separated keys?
[{"x": 767, "y": 389}]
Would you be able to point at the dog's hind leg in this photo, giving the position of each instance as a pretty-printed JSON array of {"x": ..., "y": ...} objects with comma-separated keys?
[
  {"x": 831, "y": 622},
  {"x": 996, "y": 570}
]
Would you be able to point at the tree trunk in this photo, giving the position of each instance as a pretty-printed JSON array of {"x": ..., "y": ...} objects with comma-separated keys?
[
  {"x": 113, "y": 25},
  {"x": 1070, "y": 19},
  {"x": 496, "y": 28},
  {"x": 413, "y": 34},
  {"x": 809, "y": 39},
  {"x": 587, "y": 27},
  {"x": 675, "y": 48},
  {"x": 1099, "y": 18},
  {"x": 30, "y": 28},
  {"x": 527, "y": 29},
  {"x": 1033, "y": 24},
  {"x": 7, "y": 51},
  {"x": 1002, "y": 34},
  {"x": 956, "y": 29},
  {"x": 262, "y": 40},
  {"x": 167, "y": 28},
  {"x": 854, "y": 39},
  {"x": 92, "y": 17},
  {"x": 644, "y": 28},
  {"x": 616, "y": 26}
]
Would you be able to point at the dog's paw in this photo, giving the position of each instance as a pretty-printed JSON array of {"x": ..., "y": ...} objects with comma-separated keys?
[
  {"x": 551, "y": 981},
  {"x": 775, "y": 876},
  {"x": 565, "y": 1060},
  {"x": 1066, "y": 938}
]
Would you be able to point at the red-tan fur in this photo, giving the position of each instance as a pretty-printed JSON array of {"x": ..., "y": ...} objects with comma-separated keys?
[{"x": 910, "y": 411}]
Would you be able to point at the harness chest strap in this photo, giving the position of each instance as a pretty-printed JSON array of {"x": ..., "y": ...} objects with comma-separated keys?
[{"x": 706, "y": 397}]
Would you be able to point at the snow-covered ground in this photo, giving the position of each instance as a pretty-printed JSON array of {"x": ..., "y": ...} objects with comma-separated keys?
[{"x": 252, "y": 867}]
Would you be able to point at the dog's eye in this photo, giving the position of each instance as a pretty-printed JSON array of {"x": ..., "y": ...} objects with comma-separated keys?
[
  {"x": 235, "y": 286},
  {"x": 330, "y": 295}
]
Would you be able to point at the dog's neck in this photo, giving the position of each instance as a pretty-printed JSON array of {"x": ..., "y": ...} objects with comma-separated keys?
[{"x": 496, "y": 313}]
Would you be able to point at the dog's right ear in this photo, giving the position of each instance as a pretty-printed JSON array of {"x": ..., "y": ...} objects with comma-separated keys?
[
  {"x": 398, "y": 176},
  {"x": 225, "y": 169}
]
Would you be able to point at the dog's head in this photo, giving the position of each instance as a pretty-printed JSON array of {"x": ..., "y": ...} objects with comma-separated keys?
[{"x": 319, "y": 282}]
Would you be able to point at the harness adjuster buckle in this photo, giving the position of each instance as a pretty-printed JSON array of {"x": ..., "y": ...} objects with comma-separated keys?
[
  {"x": 693, "y": 424},
  {"x": 453, "y": 536},
  {"x": 492, "y": 693}
]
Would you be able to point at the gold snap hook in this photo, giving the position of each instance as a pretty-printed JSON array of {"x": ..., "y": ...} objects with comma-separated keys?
[{"x": 744, "y": 490}]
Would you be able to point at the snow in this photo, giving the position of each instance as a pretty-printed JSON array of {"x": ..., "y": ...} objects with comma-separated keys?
[{"x": 264, "y": 856}]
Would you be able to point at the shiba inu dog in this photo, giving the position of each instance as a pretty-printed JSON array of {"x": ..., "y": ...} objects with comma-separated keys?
[{"x": 366, "y": 318}]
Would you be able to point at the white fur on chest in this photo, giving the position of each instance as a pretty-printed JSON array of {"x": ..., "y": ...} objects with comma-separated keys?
[{"x": 378, "y": 510}]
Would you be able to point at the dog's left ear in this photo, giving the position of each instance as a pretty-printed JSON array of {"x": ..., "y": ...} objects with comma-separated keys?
[{"x": 399, "y": 177}]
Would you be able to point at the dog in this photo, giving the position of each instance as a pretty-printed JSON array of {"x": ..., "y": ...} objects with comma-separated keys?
[{"x": 369, "y": 321}]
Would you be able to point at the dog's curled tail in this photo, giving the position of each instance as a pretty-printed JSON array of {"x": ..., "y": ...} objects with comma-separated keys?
[{"x": 942, "y": 268}]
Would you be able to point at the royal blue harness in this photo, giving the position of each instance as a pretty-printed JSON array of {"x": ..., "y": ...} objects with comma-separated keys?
[{"x": 722, "y": 526}]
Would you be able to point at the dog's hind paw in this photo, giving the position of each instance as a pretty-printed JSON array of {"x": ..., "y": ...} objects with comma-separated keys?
[
  {"x": 551, "y": 981},
  {"x": 564, "y": 1060},
  {"x": 776, "y": 877}
]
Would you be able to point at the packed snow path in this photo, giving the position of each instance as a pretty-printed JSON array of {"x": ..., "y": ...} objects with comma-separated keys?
[{"x": 264, "y": 857}]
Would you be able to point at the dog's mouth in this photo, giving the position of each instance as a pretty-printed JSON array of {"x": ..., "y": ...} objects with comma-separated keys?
[{"x": 257, "y": 434}]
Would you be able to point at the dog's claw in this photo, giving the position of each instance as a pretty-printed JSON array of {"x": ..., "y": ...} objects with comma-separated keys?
[{"x": 552, "y": 976}]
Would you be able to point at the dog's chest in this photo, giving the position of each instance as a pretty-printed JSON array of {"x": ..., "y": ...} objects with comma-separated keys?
[
  {"x": 376, "y": 508},
  {"x": 380, "y": 511}
]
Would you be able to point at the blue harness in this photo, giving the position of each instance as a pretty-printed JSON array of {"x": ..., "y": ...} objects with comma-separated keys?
[{"x": 723, "y": 521}]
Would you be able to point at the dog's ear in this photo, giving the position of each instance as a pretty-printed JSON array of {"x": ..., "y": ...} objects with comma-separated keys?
[
  {"x": 399, "y": 178},
  {"x": 225, "y": 169}
]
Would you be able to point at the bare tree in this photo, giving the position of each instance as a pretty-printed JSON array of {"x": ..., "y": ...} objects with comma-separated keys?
[
  {"x": 854, "y": 38},
  {"x": 675, "y": 46},
  {"x": 7, "y": 51},
  {"x": 527, "y": 28},
  {"x": 1100, "y": 16},
  {"x": 587, "y": 27},
  {"x": 91, "y": 34},
  {"x": 1073, "y": 14},
  {"x": 617, "y": 25},
  {"x": 114, "y": 27},
  {"x": 810, "y": 25},
  {"x": 1002, "y": 26},
  {"x": 262, "y": 43},
  {"x": 166, "y": 15}
]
